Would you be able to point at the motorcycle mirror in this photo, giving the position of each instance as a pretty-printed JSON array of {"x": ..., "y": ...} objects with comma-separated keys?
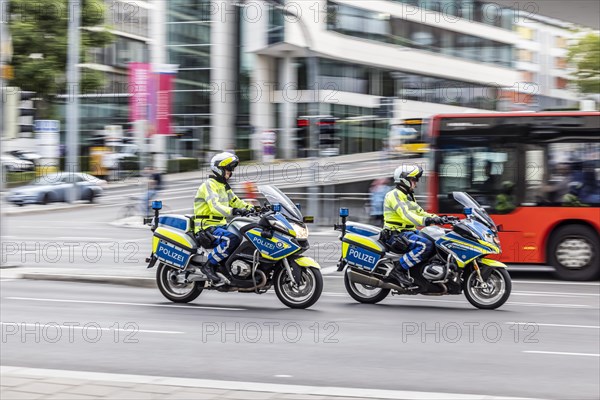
[
  {"x": 157, "y": 205},
  {"x": 499, "y": 228},
  {"x": 344, "y": 212}
]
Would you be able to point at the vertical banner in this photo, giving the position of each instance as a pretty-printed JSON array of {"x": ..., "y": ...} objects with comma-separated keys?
[
  {"x": 139, "y": 74},
  {"x": 163, "y": 106}
]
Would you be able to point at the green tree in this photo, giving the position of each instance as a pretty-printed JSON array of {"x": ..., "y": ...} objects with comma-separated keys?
[
  {"x": 585, "y": 55},
  {"x": 39, "y": 30}
]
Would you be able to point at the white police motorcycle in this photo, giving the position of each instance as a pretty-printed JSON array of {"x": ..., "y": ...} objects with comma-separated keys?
[
  {"x": 458, "y": 265},
  {"x": 273, "y": 239}
]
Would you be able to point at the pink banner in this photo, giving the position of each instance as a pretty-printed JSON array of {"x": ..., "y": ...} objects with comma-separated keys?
[
  {"x": 163, "y": 104},
  {"x": 139, "y": 74}
]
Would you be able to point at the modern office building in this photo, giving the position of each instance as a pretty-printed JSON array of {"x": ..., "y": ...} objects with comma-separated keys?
[
  {"x": 342, "y": 57},
  {"x": 541, "y": 60}
]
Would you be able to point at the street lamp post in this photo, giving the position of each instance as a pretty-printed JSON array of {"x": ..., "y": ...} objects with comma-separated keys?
[{"x": 73, "y": 93}]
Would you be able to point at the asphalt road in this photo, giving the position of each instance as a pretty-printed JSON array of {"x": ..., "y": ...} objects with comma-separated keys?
[{"x": 543, "y": 343}]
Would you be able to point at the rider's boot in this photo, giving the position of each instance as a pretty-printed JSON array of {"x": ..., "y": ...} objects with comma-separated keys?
[
  {"x": 402, "y": 276},
  {"x": 209, "y": 269}
]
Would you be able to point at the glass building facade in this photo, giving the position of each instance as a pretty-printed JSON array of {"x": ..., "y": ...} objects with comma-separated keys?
[
  {"x": 358, "y": 22},
  {"x": 188, "y": 45}
]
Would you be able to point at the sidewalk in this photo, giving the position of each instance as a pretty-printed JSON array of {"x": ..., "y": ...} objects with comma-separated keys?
[{"x": 32, "y": 383}]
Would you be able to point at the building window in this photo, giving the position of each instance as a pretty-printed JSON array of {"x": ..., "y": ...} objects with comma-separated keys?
[
  {"x": 560, "y": 63},
  {"x": 525, "y": 33},
  {"x": 357, "y": 22},
  {"x": 561, "y": 42},
  {"x": 525, "y": 55},
  {"x": 561, "y": 83}
]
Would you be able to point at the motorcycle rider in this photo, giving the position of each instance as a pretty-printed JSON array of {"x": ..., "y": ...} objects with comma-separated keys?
[
  {"x": 214, "y": 202},
  {"x": 402, "y": 215}
]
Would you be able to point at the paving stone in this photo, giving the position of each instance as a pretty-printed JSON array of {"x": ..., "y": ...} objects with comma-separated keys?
[
  {"x": 192, "y": 394},
  {"x": 93, "y": 390},
  {"x": 66, "y": 381},
  {"x": 68, "y": 396},
  {"x": 14, "y": 395},
  {"x": 45, "y": 388},
  {"x": 154, "y": 388},
  {"x": 250, "y": 395},
  {"x": 135, "y": 395},
  {"x": 289, "y": 396},
  {"x": 13, "y": 381}
]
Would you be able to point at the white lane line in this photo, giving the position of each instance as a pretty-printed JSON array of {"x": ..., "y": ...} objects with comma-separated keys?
[
  {"x": 125, "y": 304},
  {"x": 333, "y": 294},
  {"x": 558, "y": 283},
  {"x": 328, "y": 270},
  {"x": 53, "y": 325},
  {"x": 274, "y": 388},
  {"x": 560, "y": 353},
  {"x": 557, "y": 293},
  {"x": 555, "y": 325}
]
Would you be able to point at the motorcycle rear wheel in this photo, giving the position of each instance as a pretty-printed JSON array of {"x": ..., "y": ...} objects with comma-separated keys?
[
  {"x": 176, "y": 292},
  {"x": 364, "y": 293},
  {"x": 496, "y": 294}
]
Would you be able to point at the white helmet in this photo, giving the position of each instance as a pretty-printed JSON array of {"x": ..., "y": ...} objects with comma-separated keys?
[
  {"x": 405, "y": 173},
  {"x": 224, "y": 162}
]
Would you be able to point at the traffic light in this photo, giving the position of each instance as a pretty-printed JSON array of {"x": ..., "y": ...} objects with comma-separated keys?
[
  {"x": 26, "y": 112},
  {"x": 327, "y": 132},
  {"x": 302, "y": 136}
]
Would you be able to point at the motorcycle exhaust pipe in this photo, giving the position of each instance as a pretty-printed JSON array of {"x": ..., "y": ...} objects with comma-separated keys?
[
  {"x": 372, "y": 281},
  {"x": 263, "y": 282}
]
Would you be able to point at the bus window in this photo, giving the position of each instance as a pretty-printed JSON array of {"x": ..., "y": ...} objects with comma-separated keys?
[{"x": 483, "y": 172}]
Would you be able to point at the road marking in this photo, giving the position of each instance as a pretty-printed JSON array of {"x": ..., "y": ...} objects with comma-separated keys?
[
  {"x": 125, "y": 304},
  {"x": 282, "y": 376},
  {"x": 558, "y": 283},
  {"x": 276, "y": 388},
  {"x": 51, "y": 325},
  {"x": 550, "y": 294},
  {"x": 328, "y": 270},
  {"x": 559, "y": 353},
  {"x": 555, "y": 325}
]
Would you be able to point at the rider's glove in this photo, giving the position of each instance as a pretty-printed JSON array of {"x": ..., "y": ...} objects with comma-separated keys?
[
  {"x": 240, "y": 211},
  {"x": 433, "y": 221}
]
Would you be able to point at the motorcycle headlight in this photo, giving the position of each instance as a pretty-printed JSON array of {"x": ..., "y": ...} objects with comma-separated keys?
[
  {"x": 492, "y": 239},
  {"x": 301, "y": 231}
]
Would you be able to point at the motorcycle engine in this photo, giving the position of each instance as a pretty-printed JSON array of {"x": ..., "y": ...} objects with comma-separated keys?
[
  {"x": 240, "y": 269},
  {"x": 434, "y": 271}
]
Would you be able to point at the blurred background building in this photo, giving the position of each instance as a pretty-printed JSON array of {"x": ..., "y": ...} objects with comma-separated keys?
[{"x": 351, "y": 69}]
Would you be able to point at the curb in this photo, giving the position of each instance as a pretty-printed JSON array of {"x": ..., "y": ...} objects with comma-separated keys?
[
  {"x": 246, "y": 388},
  {"x": 23, "y": 210},
  {"x": 103, "y": 279}
]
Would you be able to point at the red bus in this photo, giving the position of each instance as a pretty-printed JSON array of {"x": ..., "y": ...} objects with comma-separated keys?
[{"x": 537, "y": 175}]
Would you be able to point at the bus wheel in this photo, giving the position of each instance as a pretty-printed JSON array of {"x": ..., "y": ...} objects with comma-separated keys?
[{"x": 574, "y": 253}]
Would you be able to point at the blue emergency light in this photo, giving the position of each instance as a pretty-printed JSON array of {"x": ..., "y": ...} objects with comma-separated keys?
[
  {"x": 344, "y": 212},
  {"x": 468, "y": 211},
  {"x": 157, "y": 205},
  {"x": 276, "y": 207}
]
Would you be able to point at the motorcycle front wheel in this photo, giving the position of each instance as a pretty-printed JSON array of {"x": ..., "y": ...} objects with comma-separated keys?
[
  {"x": 496, "y": 292},
  {"x": 166, "y": 279},
  {"x": 364, "y": 293},
  {"x": 302, "y": 296}
]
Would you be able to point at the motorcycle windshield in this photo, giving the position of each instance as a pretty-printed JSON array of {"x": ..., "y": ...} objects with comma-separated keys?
[
  {"x": 478, "y": 212},
  {"x": 276, "y": 196}
]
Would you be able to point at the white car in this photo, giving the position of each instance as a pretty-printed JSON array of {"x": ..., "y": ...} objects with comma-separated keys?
[{"x": 11, "y": 163}]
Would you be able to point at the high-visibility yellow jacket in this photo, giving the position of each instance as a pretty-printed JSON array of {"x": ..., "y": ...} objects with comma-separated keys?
[
  {"x": 214, "y": 203},
  {"x": 401, "y": 211}
]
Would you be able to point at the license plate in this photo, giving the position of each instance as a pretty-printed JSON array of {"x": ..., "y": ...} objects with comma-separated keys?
[{"x": 171, "y": 254}]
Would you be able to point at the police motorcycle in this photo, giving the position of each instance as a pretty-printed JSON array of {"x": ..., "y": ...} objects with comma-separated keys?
[
  {"x": 459, "y": 264},
  {"x": 273, "y": 238}
]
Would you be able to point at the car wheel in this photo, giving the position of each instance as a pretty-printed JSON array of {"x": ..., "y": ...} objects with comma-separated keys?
[
  {"x": 574, "y": 251},
  {"x": 45, "y": 199}
]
